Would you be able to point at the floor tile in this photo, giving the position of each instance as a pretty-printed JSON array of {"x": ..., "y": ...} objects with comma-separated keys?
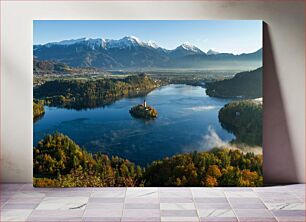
[
  {"x": 10, "y": 187},
  {"x": 3, "y": 200},
  {"x": 275, "y": 189},
  {"x": 26, "y": 194},
  {"x": 62, "y": 203},
  {"x": 246, "y": 203},
  {"x": 289, "y": 213},
  {"x": 109, "y": 193},
  {"x": 140, "y": 219},
  {"x": 142, "y": 192},
  {"x": 175, "y": 192},
  {"x": 212, "y": 205},
  {"x": 254, "y": 219},
  {"x": 142, "y": 213},
  {"x": 99, "y": 205},
  {"x": 300, "y": 195},
  {"x": 106, "y": 200},
  {"x": 280, "y": 200},
  {"x": 54, "y": 219},
  {"x": 175, "y": 199},
  {"x": 142, "y": 200},
  {"x": 245, "y": 200},
  {"x": 242, "y": 189},
  {"x": 101, "y": 219},
  {"x": 210, "y": 200},
  {"x": 240, "y": 194},
  {"x": 20, "y": 206},
  {"x": 56, "y": 214},
  {"x": 102, "y": 189},
  {"x": 253, "y": 213},
  {"x": 141, "y": 206},
  {"x": 18, "y": 200},
  {"x": 177, "y": 189},
  {"x": 207, "y": 192},
  {"x": 296, "y": 187},
  {"x": 218, "y": 219},
  {"x": 103, "y": 213},
  {"x": 177, "y": 206},
  {"x": 23, "y": 202},
  {"x": 178, "y": 213},
  {"x": 179, "y": 219},
  {"x": 216, "y": 213},
  {"x": 286, "y": 206},
  {"x": 291, "y": 219},
  {"x": 28, "y": 187},
  {"x": 273, "y": 197},
  {"x": 248, "y": 206},
  {"x": 14, "y": 214},
  {"x": 68, "y": 194}
]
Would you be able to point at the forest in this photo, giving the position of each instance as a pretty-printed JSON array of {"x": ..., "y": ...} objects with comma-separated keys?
[
  {"x": 247, "y": 85},
  {"x": 91, "y": 93},
  {"x": 56, "y": 68},
  {"x": 244, "y": 119},
  {"x": 60, "y": 162},
  {"x": 38, "y": 109}
]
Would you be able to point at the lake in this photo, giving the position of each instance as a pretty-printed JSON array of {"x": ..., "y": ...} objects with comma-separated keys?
[{"x": 187, "y": 121}]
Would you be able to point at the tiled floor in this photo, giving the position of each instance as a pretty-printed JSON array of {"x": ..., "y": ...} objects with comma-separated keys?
[{"x": 22, "y": 202}]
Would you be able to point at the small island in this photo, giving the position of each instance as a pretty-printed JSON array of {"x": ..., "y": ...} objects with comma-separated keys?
[{"x": 143, "y": 111}]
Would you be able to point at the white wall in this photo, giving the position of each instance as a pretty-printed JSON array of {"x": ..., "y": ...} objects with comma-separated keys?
[{"x": 284, "y": 63}]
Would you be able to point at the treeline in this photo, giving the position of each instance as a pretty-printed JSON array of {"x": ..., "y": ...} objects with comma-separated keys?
[
  {"x": 243, "y": 85},
  {"x": 52, "y": 67},
  {"x": 38, "y": 109},
  {"x": 89, "y": 93},
  {"x": 60, "y": 162},
  {"x": 244, "y": 120}
]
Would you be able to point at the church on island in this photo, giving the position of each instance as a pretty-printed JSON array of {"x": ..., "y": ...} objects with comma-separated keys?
[
  {"x": 145, "y": 103},
  {"x": 143, "y": 111}
]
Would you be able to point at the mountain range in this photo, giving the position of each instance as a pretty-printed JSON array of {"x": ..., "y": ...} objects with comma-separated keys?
[{"x": 130, "y": 52}]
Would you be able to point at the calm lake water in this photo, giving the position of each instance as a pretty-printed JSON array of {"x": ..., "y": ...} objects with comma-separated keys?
[{"x": 187, "y": 121}]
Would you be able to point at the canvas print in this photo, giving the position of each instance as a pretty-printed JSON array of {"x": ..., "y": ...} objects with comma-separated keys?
[{"x": 147, "y": 103}]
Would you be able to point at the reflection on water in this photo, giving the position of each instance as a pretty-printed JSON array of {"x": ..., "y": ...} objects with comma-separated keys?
[{"x": 187, "y": 121}]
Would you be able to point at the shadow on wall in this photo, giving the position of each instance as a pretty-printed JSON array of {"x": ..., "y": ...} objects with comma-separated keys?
[{"x": 279, "y": 164}]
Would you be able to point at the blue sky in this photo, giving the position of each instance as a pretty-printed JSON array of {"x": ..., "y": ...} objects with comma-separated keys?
[{"x": 236, "y": 36}]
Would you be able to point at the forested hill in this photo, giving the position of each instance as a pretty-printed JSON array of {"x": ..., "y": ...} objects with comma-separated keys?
[
  {"x": 51, "y": 67},
  {"x": 60, "y": 162},
  {"x": 244, "y": 119},
  {"x": 38, "y": 110},
  {"x": 91, "y": 93},
  {"x": 242, "y": 85}
]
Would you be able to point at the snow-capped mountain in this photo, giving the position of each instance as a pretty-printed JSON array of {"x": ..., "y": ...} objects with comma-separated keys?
[
  {"x": 125, "y": 42},
  {"x": 189, "y": 47},
  {"x": 91, "y": 43},
  {"x": 130, "y": 52},
  {"x": 152, "y": 44},
  {"x": 66, "y": 42},
  {"x": 186, "y": 50},
  {"x": 212, "y": 52}
]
